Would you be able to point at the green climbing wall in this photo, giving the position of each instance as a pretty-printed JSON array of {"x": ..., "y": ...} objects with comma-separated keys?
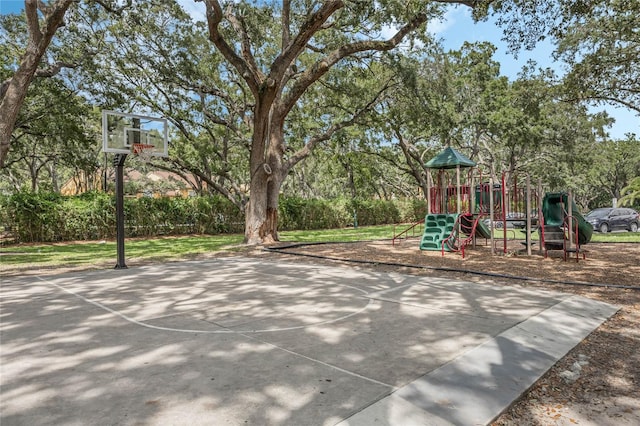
[{"x": 437, "y": 227}]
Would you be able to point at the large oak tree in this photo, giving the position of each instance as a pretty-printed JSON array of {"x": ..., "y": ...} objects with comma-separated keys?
[{"x": 314, "y": 37}]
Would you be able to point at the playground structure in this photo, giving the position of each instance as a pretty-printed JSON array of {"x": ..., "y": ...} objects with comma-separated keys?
[{"x": 477, "y": 207}]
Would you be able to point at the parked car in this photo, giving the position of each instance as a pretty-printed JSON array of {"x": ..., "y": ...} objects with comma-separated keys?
[
  {"x": 516, "y": 220},
  {"x": 522, "y": 223},
  {"x": 610, "y": 219}
]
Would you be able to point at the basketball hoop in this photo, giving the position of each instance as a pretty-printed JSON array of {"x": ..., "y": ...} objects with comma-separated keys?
[{"x": 143, "y": 151}]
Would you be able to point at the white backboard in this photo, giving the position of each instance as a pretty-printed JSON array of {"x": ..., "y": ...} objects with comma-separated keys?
[{"x": 129, "y": 133}]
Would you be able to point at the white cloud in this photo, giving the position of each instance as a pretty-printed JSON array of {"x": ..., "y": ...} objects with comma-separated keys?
[
  {"x": 451, "y": 16},
  {"x": 196, "y": 10},
  {"x": 437, "y": 27},
  {"x": 387, "y": 32}
]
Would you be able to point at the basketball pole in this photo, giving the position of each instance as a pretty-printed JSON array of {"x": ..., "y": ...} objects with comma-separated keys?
[
  {"x": 118, "y": 162},
  {"x": 121, "y": 135}
]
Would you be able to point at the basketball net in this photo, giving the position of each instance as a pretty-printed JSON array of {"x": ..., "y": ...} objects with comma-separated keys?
[{"x": 143, "y": 151}]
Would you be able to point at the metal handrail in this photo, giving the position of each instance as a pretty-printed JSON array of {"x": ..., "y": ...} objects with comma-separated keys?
[
  {"x": 565, "y": 229},
  {"x": 406, "y": 231}
]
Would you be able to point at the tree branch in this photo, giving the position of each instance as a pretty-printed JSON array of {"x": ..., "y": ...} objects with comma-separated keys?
[
  {"x": 239, "y": 26},
  {"x": 304, "y": 152},
  {"x": 239, "y": 200},
  {"x": 33, "y": 24},
  {"x": 116, "y": 10},
  {"x": 321, "y": 67},
  {"x": 595, "y": 97},
  {"x": 54, "y": 69},
  {"x": 214, "y": 18},
  {"x": 286, "y": 23},
  {"x": 471, "y": 3},
  {"x": 308, "y": 29}
]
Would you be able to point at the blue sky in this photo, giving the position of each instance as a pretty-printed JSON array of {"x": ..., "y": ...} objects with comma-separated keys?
[
  {"x": 11, "y": 6},
  {"x": 454, "y": 30}
]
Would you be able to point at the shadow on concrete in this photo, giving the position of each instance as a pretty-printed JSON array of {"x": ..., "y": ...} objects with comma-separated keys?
[{"x": 237, "y": 341}]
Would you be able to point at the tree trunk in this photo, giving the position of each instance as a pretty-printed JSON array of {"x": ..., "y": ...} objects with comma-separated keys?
[
  {"x": 273, "y": 201},
  {"x": 351, "y": 180},
  {"x": 13, "y": 100},
  {"x": 33, "y": 171},
  {"x": 268, "y": 173},
  {"x": 267, "y": 165},
  {"x": 261, "y": 214},
  {"x": 256, "y": 210}
]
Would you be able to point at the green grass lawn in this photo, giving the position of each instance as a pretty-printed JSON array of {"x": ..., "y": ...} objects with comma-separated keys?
[
  {"x": 343, "y": 235},
  {"x": 174, "y": 248},
  {"x": 616, "y": 237},
  {"x": 96, "y": 253},
  {"x": 597, "y": 237},
  {"x": 162, "y": 249}
]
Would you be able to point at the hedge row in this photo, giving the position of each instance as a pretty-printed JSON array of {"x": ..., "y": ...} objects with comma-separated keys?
[{"x": 47, "y": 217}]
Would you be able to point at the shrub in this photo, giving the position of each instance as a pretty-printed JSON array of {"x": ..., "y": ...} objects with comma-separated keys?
[
  {"x": 46, "y": 217},
  {"x": 33, "y": 216}
]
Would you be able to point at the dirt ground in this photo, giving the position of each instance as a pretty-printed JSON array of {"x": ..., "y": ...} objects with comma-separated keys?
[{"x": 598, "y": 382}]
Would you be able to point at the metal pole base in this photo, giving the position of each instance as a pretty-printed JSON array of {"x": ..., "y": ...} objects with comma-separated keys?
[{"x": 118, "y": 162}]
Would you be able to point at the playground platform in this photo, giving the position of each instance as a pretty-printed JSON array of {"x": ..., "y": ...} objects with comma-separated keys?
[{"x": 245, "y": 341}]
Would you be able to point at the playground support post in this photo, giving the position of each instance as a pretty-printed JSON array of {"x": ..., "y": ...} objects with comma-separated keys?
[
  {"x": 429, "y": 185},
  {"x": 458, "y": 199},
  {"x": 570, "y": 217},
  {"x": 472, "y": 192},
  {"x": 540, "y": 218},
  {"x": 472, "y": 203},
  {"x": 458, "y": 195},
  {"x": 505, "y": 203},
  {"x": 528, "y": 214},
  {"x": 491, "y": 221},
  {"x": 443, "y": 192}
]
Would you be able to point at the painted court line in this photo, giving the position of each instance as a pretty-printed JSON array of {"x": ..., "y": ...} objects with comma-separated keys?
[
  {"x": 182, "y": 330},
  {"x": 245, "y": 334},
  {"x": 334, "y": 367}
]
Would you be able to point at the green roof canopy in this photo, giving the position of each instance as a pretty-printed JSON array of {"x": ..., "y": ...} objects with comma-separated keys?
[{"x": 449, "y": 159}]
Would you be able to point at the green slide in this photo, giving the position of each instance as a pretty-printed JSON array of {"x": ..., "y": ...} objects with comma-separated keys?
[
  {"x": 554, "y": 215},
  {"x": 481, "y": 229}
]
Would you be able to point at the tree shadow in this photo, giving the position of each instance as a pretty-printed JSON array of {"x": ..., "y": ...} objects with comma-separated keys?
[{"x": 233, "y": 341}]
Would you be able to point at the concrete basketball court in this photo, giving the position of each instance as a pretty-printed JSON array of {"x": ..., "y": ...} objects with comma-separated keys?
[{"x": 239, "y": 341}]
